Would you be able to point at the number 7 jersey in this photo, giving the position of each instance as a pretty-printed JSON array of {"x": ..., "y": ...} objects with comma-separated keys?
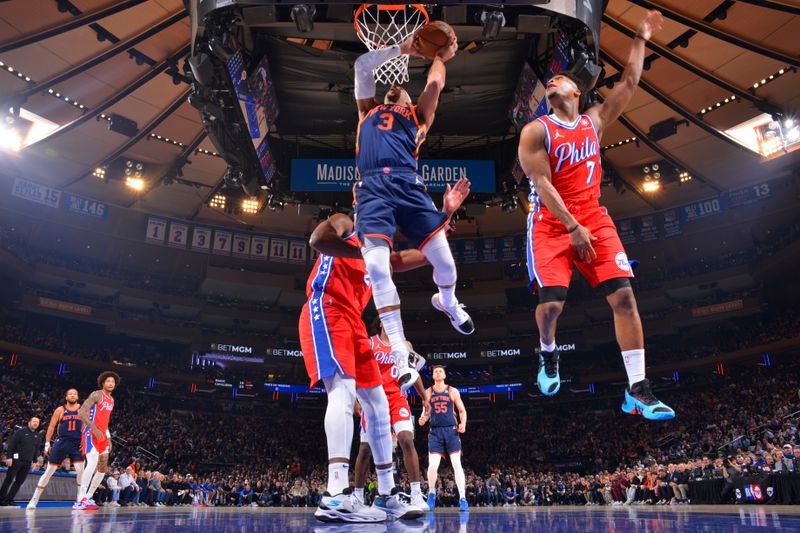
[{"x": 574, "y": 160}]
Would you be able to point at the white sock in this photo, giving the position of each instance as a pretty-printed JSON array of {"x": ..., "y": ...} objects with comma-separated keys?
[
  {"x": 448, "y": 296},
  {"x": 359, "y": 493},
  {"x": 458, "y": 473},
  {"x": 86, "y": 478},
  {"x": 338, "y": 479},
  {"x": 634, "y": 365},
  {"x": 385, "y": 480},
  {"x": 96, "y": 480},
  {"x": 547, "y": 347},
  {"x": 416, "y": 488},
  {"x": 393, "y": 325}
]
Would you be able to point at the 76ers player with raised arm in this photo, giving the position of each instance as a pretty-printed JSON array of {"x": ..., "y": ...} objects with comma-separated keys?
[
  {"x": 68, "y": 443},
  {"x": 95, "y": 414},
  {"x": 400, "y": 414},
  {"x": 337, "y": 351},
  {"x": 567, "y": 226}
]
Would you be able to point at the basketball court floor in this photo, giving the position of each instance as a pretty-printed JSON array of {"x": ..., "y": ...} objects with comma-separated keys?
[{"x": 730, "y": 519}]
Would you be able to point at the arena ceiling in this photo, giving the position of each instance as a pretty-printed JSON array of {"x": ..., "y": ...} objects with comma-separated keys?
[{"x": 127, "y": 58}]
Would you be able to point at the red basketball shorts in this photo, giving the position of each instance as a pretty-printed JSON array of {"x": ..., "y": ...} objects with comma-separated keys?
[
  {"x": 333, "y": 341},
  {"x": 551, "y": 257},
  {"x": 89, "y": 443},
  {"x": 399, "y": 412}
]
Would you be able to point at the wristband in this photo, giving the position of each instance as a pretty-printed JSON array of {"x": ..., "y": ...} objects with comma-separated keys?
[{"x": 573, "y": 228}]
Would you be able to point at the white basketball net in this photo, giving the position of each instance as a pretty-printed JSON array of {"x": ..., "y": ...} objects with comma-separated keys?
[{"x": 380, "y": 26}]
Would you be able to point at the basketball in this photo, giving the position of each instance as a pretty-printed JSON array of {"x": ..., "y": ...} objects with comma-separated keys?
[{"x": 434, "y": 36}]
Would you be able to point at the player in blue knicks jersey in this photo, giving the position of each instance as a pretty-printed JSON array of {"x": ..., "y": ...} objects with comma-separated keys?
[
  {"x": 390, "y": 195},
  {"x": 68, "y": 424},
  {"x": 443, "y": 437}
]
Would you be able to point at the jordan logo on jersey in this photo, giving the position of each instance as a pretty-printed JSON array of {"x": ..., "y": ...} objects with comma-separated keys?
[{"x": 572, "y": 153}]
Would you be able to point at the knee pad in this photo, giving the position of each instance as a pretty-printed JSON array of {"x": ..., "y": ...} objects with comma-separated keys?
[
  {"x": 376, "y": 254},
  {"x": 437, "y": 252},
  {"x": 339, "y": 415},
  {"x": 376, "y": 411}
]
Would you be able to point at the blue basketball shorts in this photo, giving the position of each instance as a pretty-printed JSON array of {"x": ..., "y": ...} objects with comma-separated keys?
[
  {"x": 443, "y": 440},
  {"x": 64, "y": 448},
  {"x": 390, "y": 199}
]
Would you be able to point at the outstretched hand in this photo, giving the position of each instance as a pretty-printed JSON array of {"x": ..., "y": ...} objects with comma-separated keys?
[
  {"x": 446, "y": 54},
  {"x": 455, "y": 196},
  {"x": 410, "y": 46},
  {"x": 653, "y": 23}
]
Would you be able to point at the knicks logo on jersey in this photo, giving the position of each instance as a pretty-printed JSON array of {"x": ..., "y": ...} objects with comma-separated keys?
[{"x": 574, "y": 153}]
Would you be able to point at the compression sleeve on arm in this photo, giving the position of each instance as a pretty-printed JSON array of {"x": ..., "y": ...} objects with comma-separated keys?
[{"x": 366, "y": 65}]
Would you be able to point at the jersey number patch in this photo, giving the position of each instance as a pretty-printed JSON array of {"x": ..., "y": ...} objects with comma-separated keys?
[
  {"x": 590, "y": 165},
  {"x": 387, "y": 121}
]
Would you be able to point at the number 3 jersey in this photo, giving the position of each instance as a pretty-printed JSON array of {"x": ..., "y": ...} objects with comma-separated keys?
[
  {"x": 574, "y": 162},
  {"x": 389, "y": 136}
]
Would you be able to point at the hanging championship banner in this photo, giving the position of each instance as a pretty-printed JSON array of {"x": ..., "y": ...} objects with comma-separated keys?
[
  {"x": 490, "y": 251},
  {"x": 241, "y": 245},
  {"x": 178, "y": 234},
  {"x": 222, "y": 242},
  {"x": 201, "y": 239},
  {"x": 627, "y": 231},
  {"x": 278, "y": 250},
  {"x": 510, "y": 248},
  {"x": 297, "y": 252},
  {"x": 469, "y": 251},
  {"x": 259, "y": 247},
  {"x": 648, "y": 230},
  {"x": 156, "y": 230},
  {"x": 672, "y": 223}
]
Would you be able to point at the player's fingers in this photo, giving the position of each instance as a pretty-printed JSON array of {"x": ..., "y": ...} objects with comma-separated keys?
[{"x": 592, "y": 252}]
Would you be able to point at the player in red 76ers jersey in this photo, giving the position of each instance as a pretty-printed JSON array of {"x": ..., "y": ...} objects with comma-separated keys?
[
  {"x": 567, "y": 227},
  {"x": 95, "y": 414},
  {"x": 337, "y": 351},
  {"x": 400, "y": 413}
]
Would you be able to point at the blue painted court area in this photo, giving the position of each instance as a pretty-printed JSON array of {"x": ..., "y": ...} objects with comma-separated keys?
[{"x": 551, "y": 520}]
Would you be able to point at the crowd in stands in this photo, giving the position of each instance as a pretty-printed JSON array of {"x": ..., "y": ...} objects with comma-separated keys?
[{"x": 172, "y": 452}]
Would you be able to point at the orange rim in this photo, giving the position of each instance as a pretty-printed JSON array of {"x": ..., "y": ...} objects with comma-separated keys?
[{"x": 383, "y": 7}]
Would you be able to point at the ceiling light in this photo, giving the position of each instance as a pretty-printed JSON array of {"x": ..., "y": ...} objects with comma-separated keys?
[
  {"x": 136, "y": 184},
  {"x": 99, "y": 172},
  {"x": 651, "y": 186},
  {"x": 217, "y": 201},
  {"x": 250, "y": 206},
  {"x": 493, "y": 21},
  {"x": 303, "y": 17}
]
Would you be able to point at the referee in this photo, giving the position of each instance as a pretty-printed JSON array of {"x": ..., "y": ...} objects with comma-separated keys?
[{"x": 23, "y": 446}]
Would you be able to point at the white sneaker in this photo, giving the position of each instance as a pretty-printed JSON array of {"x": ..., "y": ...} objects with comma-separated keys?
[
  {"x": 418, "y": 501},
  {"x": 459, "y": 318},
  {"x": 416, "y": 360},
  {"x": 406, "y": 375},
  {"x": 31, "y": 506},
  {"x": 346, "y": 508},
  {"x": 394, "y": 506}
]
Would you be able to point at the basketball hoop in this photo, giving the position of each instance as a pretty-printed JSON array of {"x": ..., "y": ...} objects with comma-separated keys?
[{"x": 381, "y": 26}]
